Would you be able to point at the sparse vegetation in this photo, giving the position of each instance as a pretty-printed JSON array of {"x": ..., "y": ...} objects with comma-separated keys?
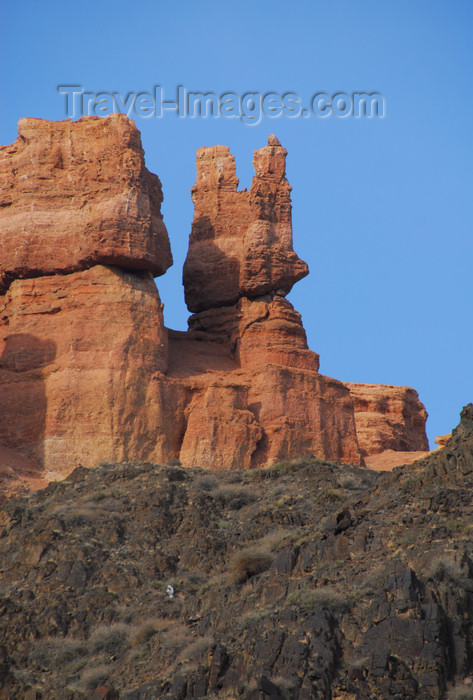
[
  {"x": 195, "y": 650},
  {"x": 234, "y": 497},
  {"x": 175, "y": 462},
  {"x": 54, "y": 652},
  {"x": 143, "y": 632},
  {"x": 325, "y": 596},
  {"x": 350, "y": 482},
  {"x": 463, "y": 691},
  {"x": 248, "y": 563},
  {"x": 206, "y": 483},
  {"x": 252, "y": 617},
  {"x": 443, "y": 569},
  {"x": 109, "y": 639},
  {"x": 335, "y": 495},
  {"x": 93, "y": 677}
]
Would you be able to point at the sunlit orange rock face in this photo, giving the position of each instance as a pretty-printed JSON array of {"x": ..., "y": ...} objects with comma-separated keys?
[
  {"x": 390, "y": 424},
  {"x": 239, "y": 267},
  {"x": 241, "y": 242},
  {"x": 89, "y": 373},
  {"x": 83, "y": 346},
  {"x": 76, "y": 194}
]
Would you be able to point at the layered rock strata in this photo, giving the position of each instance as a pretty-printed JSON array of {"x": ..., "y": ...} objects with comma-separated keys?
[
  {"x": 88, "y": 372},
  {"x": 83, "y": 348},
  {"x": 238, "y": 269},
  {"x": 241, "y": 242},
  {"x": 77, "y": 194},
  {"x": 390, "y": 423},
  {"x": 78, "y": 380}
]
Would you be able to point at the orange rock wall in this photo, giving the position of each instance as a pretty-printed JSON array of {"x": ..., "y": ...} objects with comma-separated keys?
[
  {"x": 241, "y": 242},
  {"x": 388, "y": 418},
  {"x": 80, "y": 357}
]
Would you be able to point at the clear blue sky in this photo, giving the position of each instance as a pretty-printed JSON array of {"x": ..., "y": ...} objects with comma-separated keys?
[{"x": 382, "y": 208}]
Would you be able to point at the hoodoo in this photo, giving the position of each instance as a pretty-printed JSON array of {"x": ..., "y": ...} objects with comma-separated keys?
[{"x": 88, "y": 372}]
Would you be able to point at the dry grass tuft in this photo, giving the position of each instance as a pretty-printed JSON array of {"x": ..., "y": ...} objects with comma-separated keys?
[
  {"x": 109, "y": 639},
  {"x": 248, "y": 563}
]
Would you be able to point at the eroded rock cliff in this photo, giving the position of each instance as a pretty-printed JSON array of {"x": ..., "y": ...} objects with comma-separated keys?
[
  {"x": 390, "y": 423},
  {"x": 87, "y": 370},
  {"x": 241, "y": 242}
]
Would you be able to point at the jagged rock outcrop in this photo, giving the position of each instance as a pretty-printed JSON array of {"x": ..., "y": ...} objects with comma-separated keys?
[
  {"x": 441, "y": 440},
  {"x": 75, "y": 194},
  {"x": 269, "y": 386},
  {"x": 239, "y": 266},
  {"x": 241, "y": 242},
  {"x": 388, "y": 418},
  {"x": 87, "y": 370},
  {"x": 305, "y": 580}
]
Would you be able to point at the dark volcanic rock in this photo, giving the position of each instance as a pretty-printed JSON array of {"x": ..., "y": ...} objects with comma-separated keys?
[{"x": 305, "y": 580}]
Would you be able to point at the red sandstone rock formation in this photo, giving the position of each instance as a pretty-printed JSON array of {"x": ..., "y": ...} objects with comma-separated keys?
[
  {"x": 251, "y": 415},
  {"x": 241, "y": 242},
  {"x": 75, "y": 194},
  {"x": 388, "y": 459},
  {"x": 87, "y": 370},
  {"x": 239, "y": 266},
  {"x": 388, "y": 418},
  {"x": 390, "y": 424},
  {"x": 261, "y": 331},
  {"x": 82, "y": 358}
]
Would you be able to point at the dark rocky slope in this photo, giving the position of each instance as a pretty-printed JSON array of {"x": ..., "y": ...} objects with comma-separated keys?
[{"x": 305, "y": 580}]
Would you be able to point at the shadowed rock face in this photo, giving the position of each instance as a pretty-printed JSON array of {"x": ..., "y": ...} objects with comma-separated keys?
[
  {"x": 238, "y": 269},
  {"x": 75, "y": 194},
  {"x": 88, "y": 372}
]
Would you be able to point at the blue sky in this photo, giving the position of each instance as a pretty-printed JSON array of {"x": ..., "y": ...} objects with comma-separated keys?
[{"x": 382, "y": 208}]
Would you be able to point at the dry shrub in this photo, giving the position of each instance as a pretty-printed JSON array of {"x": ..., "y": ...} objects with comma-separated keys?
[
  {"x": 176, "y": 637},
  {"x": 325, "y": 596},
  {"x": 235, "y": 497},
  {"x": 443, "y": 569},
  {"x": 335, "y": 495},
  {"x": 142, "y": 633},
  {"x": 110, "y": 639},
  {"x": 251, "y": 618},
  {"x": 271, "y": 540},
  {"x": 349, "y": 481},
  {"x": 248, "y": 563},
  {"x": 91, "y": 678},
  {"x": 195, "y": 650},
  {"x": 206, "y": 483},
  {"x": 55, "y": 652}
]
